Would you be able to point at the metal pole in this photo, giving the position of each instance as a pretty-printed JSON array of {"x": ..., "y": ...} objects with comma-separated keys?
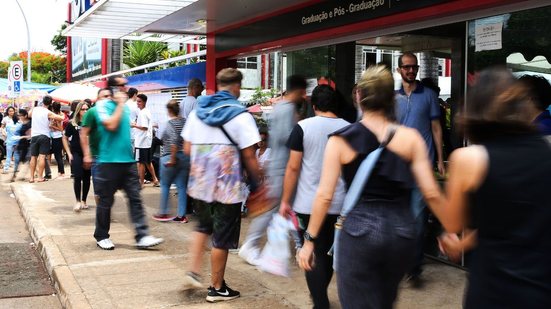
[{"x": 28, "y": 43}]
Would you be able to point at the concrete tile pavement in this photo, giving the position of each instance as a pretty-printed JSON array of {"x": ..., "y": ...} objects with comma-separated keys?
[{"x": 87, "y": 277}]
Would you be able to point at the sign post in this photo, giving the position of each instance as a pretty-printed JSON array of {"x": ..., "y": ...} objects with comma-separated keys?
[{"x": 15, "y": 79}]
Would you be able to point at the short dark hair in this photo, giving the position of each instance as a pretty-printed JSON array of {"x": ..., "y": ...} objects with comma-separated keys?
[
  {"x": 324, "y": 99},
  {"x": 74, "y": 105},
  {"x": 406, "y": 54},
  {"x": 540, "y": 89},
  {"x": 112, "y": 80},
  {"x": 173, "y": 107},
  {"x": 194, "y": 82},
  {"x": 23, "y": 112},
  {"x": 47, "y": 100},
  {"x": 229, "y": 76},
  {"x": 142, "y": 97},
  {"x": 90, "y": 101},
  {"x": 132, "y": 92},
  {"x": 103, "y": 89},
  {"x": 56, "y": 107},
  {"x": 296, "y": 82}
]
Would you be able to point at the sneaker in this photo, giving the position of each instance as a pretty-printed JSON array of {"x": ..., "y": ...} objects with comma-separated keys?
[
  {"x": 192, "y": 281},
  {"x": 222, "y": 294},
  {"x": 106, "y": 244},
  {"x": 180, "y": 219},
  {"x": 250, "y": 254},
  {"x": 148, "y": 242},
  {"x": 163, "y": 218},
  {"x": 48, "y": 177}
]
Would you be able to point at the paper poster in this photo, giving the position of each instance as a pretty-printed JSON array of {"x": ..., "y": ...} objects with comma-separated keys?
[{"x": 488, "y": 36}]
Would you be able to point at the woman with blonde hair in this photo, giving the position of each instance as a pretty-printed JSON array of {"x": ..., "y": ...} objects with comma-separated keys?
[
  {"x": 377, "y": 240},
  {"x": 71, "y": 143}
]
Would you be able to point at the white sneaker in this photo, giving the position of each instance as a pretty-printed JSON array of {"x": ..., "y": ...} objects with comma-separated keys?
[
  {"x": 106, "y": 244},
  {"x": 250, "y": 254},
  {"x": 149, "y": 241}
]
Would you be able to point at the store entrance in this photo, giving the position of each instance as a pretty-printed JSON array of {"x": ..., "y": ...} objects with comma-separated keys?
[{"x": 441, "y": 58}]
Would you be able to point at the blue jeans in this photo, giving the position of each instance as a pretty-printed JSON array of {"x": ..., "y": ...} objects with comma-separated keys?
[
  {"x": 10, "y": 151},
  {"x": 177, "y": 174},
  {"x": 419, "y": 210}
]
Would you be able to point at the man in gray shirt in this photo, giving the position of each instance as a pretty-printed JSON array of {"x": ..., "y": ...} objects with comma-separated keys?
[
  {"x": 194, "y": 89},
  {"x": 283, "y": 119}
]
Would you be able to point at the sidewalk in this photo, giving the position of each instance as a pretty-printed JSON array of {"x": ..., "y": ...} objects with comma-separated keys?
[{"x": 87, "y": 277}]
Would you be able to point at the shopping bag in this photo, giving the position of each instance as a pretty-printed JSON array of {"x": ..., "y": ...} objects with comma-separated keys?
[{"x": 274, "y": 258}]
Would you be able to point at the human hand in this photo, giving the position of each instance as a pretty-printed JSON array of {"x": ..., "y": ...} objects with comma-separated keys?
[
  {"x": 450, "y": 245},
  {"x": 87, "y": 162},
  {"x": 70, "y": 156},
  {"x": 306, "y": 257},
  {"x": 441, "y": 168},
  {"x": 285, "y": 209},
  {"x": 120, "y": 97}
]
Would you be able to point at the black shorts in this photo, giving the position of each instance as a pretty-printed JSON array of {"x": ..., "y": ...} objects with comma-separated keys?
[
  {"x": 40, "y": 144},
  {"x": 222, "y": 221},
  {"x": 143, "y": 155}
]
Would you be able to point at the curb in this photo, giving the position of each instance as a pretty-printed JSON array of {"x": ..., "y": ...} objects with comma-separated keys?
[{"x": 68, "y": 290}]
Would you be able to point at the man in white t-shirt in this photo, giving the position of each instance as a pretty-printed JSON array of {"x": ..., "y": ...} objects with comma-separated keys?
[
  {"x": 143, "y": 139},
  {"x": 194, "y": 89},
  {"x": 134, "y": 110},
  {"x": 214, "y": 135},
  {"x": 302, "y": 175},
  {"x": 40, "y": 136}
]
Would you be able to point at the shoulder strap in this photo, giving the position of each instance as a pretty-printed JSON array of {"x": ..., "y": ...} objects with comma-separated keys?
[
  {"x": 228, "y": 136},
  {"x": 363, "y": 173}
]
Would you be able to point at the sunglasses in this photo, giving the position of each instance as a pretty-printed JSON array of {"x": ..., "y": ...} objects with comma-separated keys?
[{"x": 408, "y": 67}]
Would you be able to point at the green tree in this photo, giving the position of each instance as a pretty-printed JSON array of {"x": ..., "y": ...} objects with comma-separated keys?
[
  {"x": 45, "y": 67},
  {"x": 59, "y": 42},
  {"x": 4, "y": 66},
  {"x": 136, "y": 53}
]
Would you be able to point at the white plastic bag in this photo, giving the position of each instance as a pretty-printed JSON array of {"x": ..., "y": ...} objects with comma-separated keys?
[{"x": 275, "y": 255}]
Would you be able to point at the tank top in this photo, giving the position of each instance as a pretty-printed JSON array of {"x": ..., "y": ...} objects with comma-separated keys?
[{"x": 511, "y": 266}]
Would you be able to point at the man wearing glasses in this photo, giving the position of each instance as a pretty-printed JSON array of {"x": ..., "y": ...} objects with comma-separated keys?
[
  {"x": 116, "y": 168},
  {"x": 417, "y": 107}
]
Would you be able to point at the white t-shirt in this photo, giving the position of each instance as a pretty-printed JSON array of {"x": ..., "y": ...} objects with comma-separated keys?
[
  {"x": 134, "y": 111},
  {"x": 40, "y": 124},
  {"x": 143, "y": 138},
  {"x": 262, "y": 159},
  {"x": 215, "y": 173}
]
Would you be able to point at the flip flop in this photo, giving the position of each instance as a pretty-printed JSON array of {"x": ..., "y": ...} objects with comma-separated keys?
[
  {"x": 31, "y": 181},
  {"x": 41, "y": 180}
]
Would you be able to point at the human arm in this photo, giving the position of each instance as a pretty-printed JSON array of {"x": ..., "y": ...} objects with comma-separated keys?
[
  {"x": 56, "y": 117},
  {"x": 111, "y": 122},
  {"x": 322, "y": 202},
  {"x": 67, "y": 148},
  {"x": 437, "y": 137},
  {"x": 467, "y": 168},
  {"x": 187, "y": 148},
  {"x": 84, "y": 144},
  {"x": 290, "y": 180}
]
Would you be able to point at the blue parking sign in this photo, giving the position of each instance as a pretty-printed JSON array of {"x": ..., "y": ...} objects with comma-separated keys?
[{"x": 16, "y": 86}]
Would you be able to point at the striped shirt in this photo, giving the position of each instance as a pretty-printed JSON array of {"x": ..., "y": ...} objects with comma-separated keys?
[{"x": 171, "y": 135}]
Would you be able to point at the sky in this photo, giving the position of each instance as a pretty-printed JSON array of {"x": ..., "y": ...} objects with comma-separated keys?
[{"x": 45, "y": 17}]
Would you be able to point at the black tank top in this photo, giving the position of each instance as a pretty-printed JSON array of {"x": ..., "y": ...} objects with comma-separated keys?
[
  {"x": 511, "y": 266},
  {"x": 391, "y": 178}
]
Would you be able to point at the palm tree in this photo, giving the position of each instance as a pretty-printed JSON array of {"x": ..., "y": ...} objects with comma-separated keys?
[{"x": 138, "y": 53}]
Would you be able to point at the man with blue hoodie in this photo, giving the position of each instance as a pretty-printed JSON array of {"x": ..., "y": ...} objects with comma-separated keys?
[{"x": 219, "y": 136}]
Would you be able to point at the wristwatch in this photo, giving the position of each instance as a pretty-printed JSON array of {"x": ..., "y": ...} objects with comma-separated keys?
[{"x": 309, "y": 237}]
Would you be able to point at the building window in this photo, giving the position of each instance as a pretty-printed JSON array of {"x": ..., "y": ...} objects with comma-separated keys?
[{"x": 247, "y": 63}]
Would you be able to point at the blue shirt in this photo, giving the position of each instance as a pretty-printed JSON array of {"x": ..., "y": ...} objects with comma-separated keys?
[
  {"x": 543, "y": 122},
  {"x": 418, "y": 111}
]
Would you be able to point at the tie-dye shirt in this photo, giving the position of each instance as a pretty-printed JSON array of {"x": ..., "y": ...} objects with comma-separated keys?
[{"x": 215, "y": 172}]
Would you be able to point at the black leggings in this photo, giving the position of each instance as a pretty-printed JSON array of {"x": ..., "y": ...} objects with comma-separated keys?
[
  {"x": 319, "y": 277},
  {"x": 57, "y": 147},
  {"x": 81, "y": 180}
]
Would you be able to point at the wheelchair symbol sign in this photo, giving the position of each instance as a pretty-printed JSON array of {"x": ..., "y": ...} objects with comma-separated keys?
[{"x": 16, "y": 86}]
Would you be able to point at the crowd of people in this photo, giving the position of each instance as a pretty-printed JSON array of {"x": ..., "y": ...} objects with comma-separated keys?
[{"x": 370, "y": 181}]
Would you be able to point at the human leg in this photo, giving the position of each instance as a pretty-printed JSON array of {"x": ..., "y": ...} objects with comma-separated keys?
[
  {"x": 167, "y": 176},
  {"x": 85, "y": 187},
  {"x": 181, "y": 184},
  {"x": 319, "y": 277},
  {"x": 106, "y": 186},
  {"x": 130, "y": 184},
  {"x": 41, "y": 161},
  {"x": 250, "y": 250},
  {"x": 9, "y": 155},
  {"x": 151, "y": 170},
  {"x": 57, "y": 149}
]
